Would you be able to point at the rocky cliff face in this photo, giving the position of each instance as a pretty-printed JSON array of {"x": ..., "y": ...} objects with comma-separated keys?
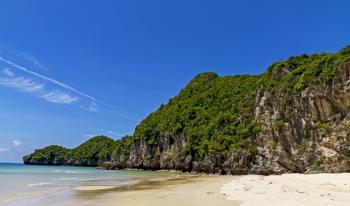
[
  {"x": 301, "y": 114},
  {"x": 306, "y": 131},
  {"x": 311, "y": 131}
]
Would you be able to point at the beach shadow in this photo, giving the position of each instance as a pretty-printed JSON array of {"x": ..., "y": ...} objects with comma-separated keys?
[{"x": 137, "y": 185}]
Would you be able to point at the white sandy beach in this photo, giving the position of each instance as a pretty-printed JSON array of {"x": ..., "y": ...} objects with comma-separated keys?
[
  {"x": 250, "y": 190},
  {"x": 290, "y": 190},
  {"x": 209, "y": 190}
]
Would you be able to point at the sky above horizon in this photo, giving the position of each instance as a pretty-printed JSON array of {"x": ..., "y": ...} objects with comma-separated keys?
[{"x": 70, "y": 70}]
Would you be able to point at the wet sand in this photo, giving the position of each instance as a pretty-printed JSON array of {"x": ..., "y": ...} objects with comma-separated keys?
[
  {"x": 171, "y": 189},
  {"x": 196, "y": 190},
  {"x": 250, "y": 190},
  {"x": 208, "y": 190}
]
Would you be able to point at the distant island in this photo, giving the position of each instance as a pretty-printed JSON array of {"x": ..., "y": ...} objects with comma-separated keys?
[{"x": 292, "y": 118}]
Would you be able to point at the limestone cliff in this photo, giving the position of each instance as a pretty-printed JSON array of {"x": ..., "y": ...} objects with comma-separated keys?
[{"x": 293, "y": 118}]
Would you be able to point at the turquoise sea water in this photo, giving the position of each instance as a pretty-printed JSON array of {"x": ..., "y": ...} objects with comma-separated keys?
[{"x": 27, "y": 185}]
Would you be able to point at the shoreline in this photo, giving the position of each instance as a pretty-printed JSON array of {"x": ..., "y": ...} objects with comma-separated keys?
[
  {"x": 190, "y": 189},
  {"x": 250, "y": 190},
  {"x": 173, "y": 189},
  {"x": 176, "y": 188}
]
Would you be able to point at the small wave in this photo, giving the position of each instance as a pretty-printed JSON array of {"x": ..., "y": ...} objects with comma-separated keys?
[
  {"x": 72, "y": 172},
  {"x": 39, "y": 184},
  {"x": 69, "y": 171},
  {"x": 88, "y": 179},
  {"x": 68, "y": 178}
]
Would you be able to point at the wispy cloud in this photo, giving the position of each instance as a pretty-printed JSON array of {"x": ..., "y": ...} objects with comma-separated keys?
[
  {"x": 22, "y": 84},
  {"x": 16, "y": 142},
  {"x": 54, "y": 81},
  {"x": 4, "y": 150},
  {"x": 92, "y": 107},
  {"x": 8, "y": 72},
  {"x": 36, "y": 88},
  {"x": 113, "y": 133},
  {"x": 36, "y": 63},
  {"x": 59, "y": 97}
]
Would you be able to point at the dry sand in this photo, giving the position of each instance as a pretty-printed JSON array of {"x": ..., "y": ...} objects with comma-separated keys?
[{"x": 290, "y": 190}]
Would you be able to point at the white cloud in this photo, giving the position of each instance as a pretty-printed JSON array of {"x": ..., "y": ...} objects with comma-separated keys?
[
  {"x": 113, "y": 133},
  {"x": 43, "y": 89},
  {"x": 22, "y": 84},
  {"x": 38, "y": 89},
  {"x": 92, "y": 107},
  {"x": 4, "y": 150},
  {"x": 16, "y": 142},
  {"x": 59, "y": 97},
  {"x": 8, "y": 72},
  {"x": 32, "y": 60},
  {"x": 56, "y": 82}
]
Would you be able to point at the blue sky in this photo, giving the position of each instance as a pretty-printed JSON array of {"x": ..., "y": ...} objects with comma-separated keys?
[{"x": 73, "y": 69}]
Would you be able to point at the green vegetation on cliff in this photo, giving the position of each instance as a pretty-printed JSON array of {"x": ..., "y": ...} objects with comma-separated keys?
[
  {"x": 305, "y": 70},
  {"x": 212, "y": 112},
  {"x": 213, "y": 115},
  {"x": 97, "y": 148},
  {"x": 50, "y": 154},
  {"x": 88, "y": 153}
]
